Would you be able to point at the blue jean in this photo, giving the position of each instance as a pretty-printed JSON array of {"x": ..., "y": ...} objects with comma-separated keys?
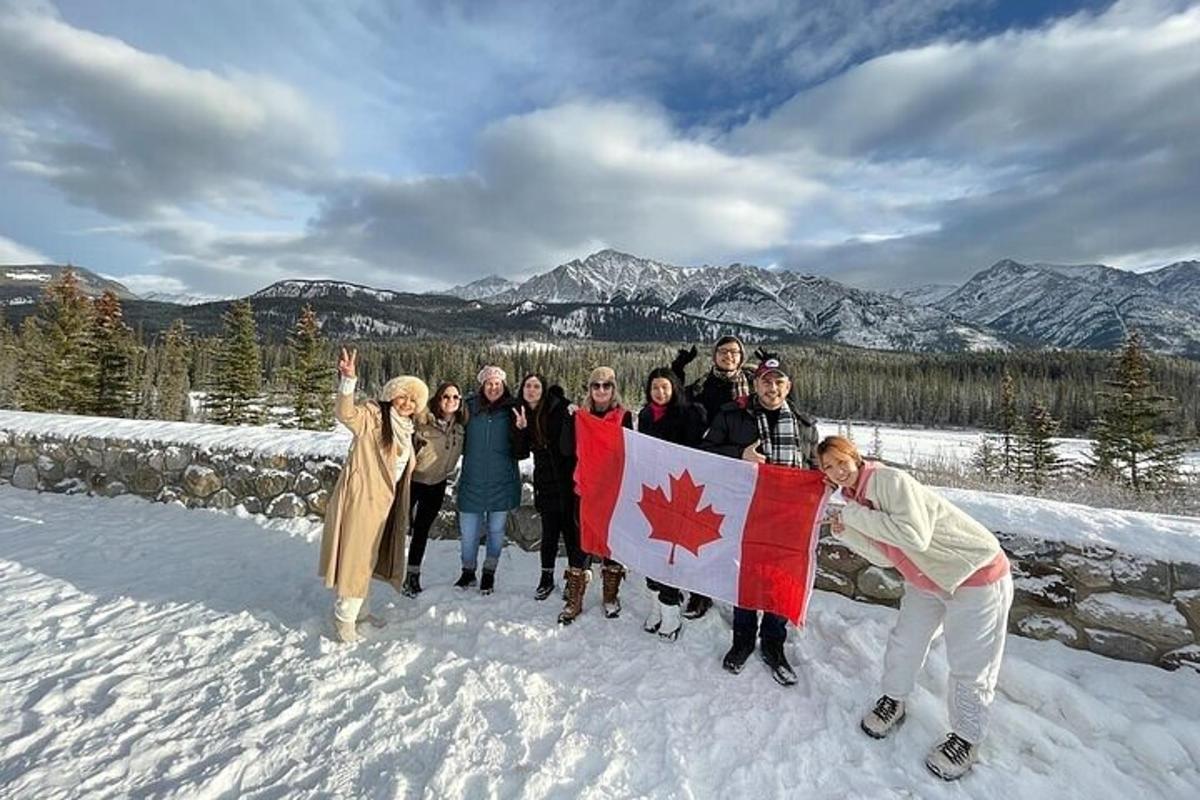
[{"x": 470, "y": 527}]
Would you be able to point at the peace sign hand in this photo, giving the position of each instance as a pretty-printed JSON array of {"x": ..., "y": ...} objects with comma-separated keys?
[
  {"x": 346, "y": 363},
  {"x": 519, "y": 414}
]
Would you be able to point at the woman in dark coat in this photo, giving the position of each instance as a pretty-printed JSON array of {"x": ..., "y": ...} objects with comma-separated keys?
[
  {"x": 668, "y": 416},
  {"x": 541, "y": 416},
  {"x": 489, "y": 485}
]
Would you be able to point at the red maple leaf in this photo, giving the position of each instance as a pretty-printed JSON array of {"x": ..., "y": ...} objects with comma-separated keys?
[{"x": 680, "y": 520}]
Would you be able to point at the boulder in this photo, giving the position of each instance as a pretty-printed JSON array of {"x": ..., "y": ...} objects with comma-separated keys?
[
  {"x": 201, "y": 481},
  {"x": 1151, "y": 620}
]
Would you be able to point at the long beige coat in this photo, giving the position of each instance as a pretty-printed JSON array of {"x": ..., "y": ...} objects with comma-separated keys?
[{"x": 357, "y": 541}]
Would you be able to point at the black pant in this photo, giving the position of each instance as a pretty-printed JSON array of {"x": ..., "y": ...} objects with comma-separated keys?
[
  {"x": 746, "y": 627},
  {"x": 425, "y": 501},
  {"x": 557, "y": 525},
  {"x": 667, "y": 595},
  {"x": 576, "y": 558}
]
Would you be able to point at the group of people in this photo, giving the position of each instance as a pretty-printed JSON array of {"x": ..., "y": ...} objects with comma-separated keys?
[{"x": 406, "y": 446}]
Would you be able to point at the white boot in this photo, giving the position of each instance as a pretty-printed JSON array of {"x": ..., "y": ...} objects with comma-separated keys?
[
  {"x": 653, "y": 619},
  {"x": 952, "y": 758},
  {"x": 365, "y": 615},
  {"x": 883, "y": 718},
  {"x": 345, "y": 614},
  {"x": 672, "y": 622}
]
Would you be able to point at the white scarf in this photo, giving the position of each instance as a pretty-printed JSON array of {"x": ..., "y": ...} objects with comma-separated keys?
[{"x": 402, "y": 431}]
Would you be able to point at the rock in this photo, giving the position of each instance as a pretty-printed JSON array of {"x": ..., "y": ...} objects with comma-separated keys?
[
  {"x": 272, "y": 482},
  {"x": 25, "y": 476},
  {"x": 241, "y": 479},
  {"x": 1188, "y": 657},
  {"x": 834, "y": 582},
  {"x": 881, "y": 584},
  {"x": 176, "y": 458},
  {"x": 169, "y": 494},
  {"x": 838, "y": 558},
  {"x": 71, "y": 486},
  {"x": 1189, "y": 603},
  {"x": 201, "y": 481},
  {"x": 112, "y": 488},
  {"x": 146, "y": 481},
  {"x": 50, "y": 470},
  {"x": 525, "y": 528},
  {"x": 526, "y": 494},
  {"x": 317, "y": 501},
  {"x": 1044, "y": 627},
  {"x": 1121, "y": 646},
  {"x": 93, "y": 457},
  {"x": 1087, "y": 572},
  {"x": 1187, "y": 576},
  {"x": 1152, "y": 620},
  {"x": 252, "y": 505},
  {"x": 286, "y": 506},
  {"x": 55, "y": 450},
  {"x": 1051, "y": 591},
  {"x": 8, "y": 463},
  {"x": 222, "y": 500},
  {"x": 306, "y": 483},
  {"x": 1142, "y": 574}
]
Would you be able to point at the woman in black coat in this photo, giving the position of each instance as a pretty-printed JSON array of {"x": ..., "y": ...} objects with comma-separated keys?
[
  {"x": 668, "y": 416},
  {"x": 541, "y": 416}
]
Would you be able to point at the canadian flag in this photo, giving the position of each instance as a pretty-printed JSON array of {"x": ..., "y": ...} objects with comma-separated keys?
[{"x": 736, "y": 531}]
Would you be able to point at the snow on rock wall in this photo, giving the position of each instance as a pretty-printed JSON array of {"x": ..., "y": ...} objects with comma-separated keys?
[{"x": 1087, "y": 596}]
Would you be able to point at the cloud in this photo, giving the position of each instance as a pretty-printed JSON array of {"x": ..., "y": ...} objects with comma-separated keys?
[
  {"x": 130, "y": 133},
  {"x": 15, "y": 253}
]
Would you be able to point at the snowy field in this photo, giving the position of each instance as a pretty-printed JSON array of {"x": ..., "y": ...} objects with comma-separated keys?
[{"x": 149, "y": 651}]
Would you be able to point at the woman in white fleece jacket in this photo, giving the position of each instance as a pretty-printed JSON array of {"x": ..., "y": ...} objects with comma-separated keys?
[{"x": 956, "y": 578}]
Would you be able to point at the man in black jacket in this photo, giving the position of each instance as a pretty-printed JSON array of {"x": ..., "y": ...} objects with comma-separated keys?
[{"x": 765, "y": 429}]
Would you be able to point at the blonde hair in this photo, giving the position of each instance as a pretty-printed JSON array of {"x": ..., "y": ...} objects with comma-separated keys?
[
  {"x": 841, "y": 446},
  {"x": 414, "y": 387},
  {"x": 600, "y": 374}
]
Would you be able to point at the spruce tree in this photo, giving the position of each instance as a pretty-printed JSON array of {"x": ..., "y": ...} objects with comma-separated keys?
[
  {"x": 1130, "y": 411},
  {"x": 114, "y": 353},
  {"x": 309, "y": 374},
  {"x": 1008, "y": 424},
  {"x": 986, "y": 459},
  {"x": 9, "y": 359},
  {"x": 57, "y": 370},
  {"x": 171, "y": 381},
  {"x": 237, "y": 383},
  {"x": 1040, "y": 461}
]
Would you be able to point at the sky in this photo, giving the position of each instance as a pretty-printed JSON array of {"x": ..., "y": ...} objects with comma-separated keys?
[{"x": 217, "y": 147}]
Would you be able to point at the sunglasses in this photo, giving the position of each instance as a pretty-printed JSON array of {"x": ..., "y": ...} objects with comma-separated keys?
[{"x": 602, "y": 385}]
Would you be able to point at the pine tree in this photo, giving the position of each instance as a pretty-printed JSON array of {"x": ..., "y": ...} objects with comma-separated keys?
[
  {"x": 309, "y": 374},
  {"x": 1008, "y": 423},
  {"x": 1039, "y": 459},
  {"x": 986, "y": 459},
  {"x": 114, "y": 355},
  {"x": 237, "y": 383},
  {"x": 9, "y": 359},
  {"x": 1129, "y": 413},
  {"x": 171, "y": 381},
  {"x": 57, "y": 370},
  {"x": 876, "y": 443}
]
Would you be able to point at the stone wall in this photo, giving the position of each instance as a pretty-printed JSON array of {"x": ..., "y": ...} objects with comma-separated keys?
[{"x": 1096, "y": 599}]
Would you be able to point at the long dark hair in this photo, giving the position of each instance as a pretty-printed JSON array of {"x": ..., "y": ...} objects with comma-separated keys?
[
  {"x": 435, "y": 405},
  {"x": 677, "y": 401},
  {"x": 385, "y": 427},
  {"x": 536, "y": 417}
]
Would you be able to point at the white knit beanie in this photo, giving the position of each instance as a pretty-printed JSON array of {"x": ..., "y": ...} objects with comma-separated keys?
[{"x": 489, "y": 372}]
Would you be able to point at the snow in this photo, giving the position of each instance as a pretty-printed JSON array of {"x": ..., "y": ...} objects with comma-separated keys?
[
  {"x": 37, "y": 275},
  {"x": 161, "y": 652}
]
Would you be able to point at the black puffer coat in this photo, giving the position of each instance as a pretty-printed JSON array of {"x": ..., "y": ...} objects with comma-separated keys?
[{"x": 553, "y": 472}]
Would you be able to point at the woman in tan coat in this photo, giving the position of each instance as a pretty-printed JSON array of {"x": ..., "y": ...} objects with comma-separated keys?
[{"x": 367, "y": 516}]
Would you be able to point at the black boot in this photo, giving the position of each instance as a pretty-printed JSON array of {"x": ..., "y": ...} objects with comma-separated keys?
[
  {"x": 487, "y": 581},
  {"x": 466, "y": 579},
  {"x": 776, "y": 661},
  {"x": 698, "y": 605},
  {"x": 545, "y": 587},
  {"x": 735, "y": 659},
  {"x": 412, "y": 585}
]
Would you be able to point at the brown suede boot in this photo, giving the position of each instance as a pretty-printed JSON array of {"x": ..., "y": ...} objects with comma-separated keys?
[
  {"x": 611, "y": 575},
  {"x": 577, "y": 581}
]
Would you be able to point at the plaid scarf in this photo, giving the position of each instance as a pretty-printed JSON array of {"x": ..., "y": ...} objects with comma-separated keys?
[
  {"x": 737, "y": 378},
  {"x": 781, "y": 446}
]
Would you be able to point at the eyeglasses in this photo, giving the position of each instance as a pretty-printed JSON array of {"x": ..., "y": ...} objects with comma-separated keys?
[
  {"x": 602, "y": 385},
  {"x": 729, "y": 351}
]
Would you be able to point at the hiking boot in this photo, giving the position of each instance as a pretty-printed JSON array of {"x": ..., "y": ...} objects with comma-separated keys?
[
  {"x": 653, "y": 619},
  {"x": 345, "y": 631},
  {"x": 487, "y": 581},
  {"x": 698, "y": 605},
  {"x": 576, "y": 581},
  {"x": 884, "y": 718},
  {"x": 466, "y": 579},
  {"x": 951, "y": 759},
  {"x": 735, "y": 659},
  {"x": 672, "y": 622},
  {"x": 611, "y": 576},
  {"x": 545, "y": 587},
  {"x": 412, "y": 585},
  {"x": 773, "y": 656}
]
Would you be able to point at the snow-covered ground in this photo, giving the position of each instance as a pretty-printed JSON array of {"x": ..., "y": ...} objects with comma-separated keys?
[{"x": 151, "y": 651}]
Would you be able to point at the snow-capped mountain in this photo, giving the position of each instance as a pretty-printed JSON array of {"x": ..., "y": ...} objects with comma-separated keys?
[
  {"x": 482, "y": 289},
  {"x": 22, "y": 284},
  {"x": 780, "y": 301},
  {"x": 183, "y": 298},
  {"x": 925, "y": 295},
  {"x": 1084, "y": 306},
  {"x": 1180, "y": 280},
  {"x": 311, "y": 290}
]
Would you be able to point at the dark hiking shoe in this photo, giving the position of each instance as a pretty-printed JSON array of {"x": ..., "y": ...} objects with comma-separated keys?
[
  {"x": 698, "y": 605},
  {"x": 545, "y": 587},
  {"x": 736, "y": 658},
  {"x": 487, "y": 582},
  {"x": 776, "y": 661},
  {"x": 466, "y": 579},
  {"x": 412, "y": 585}
]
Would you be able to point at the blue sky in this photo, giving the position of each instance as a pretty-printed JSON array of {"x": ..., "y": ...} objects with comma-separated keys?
[{"x": 216, "y": 147}]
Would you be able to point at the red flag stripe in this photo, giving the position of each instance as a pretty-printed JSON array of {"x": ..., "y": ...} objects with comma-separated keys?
[
  {"x": 779, "y": 543},
  {"x": 600, "y": 446}
]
